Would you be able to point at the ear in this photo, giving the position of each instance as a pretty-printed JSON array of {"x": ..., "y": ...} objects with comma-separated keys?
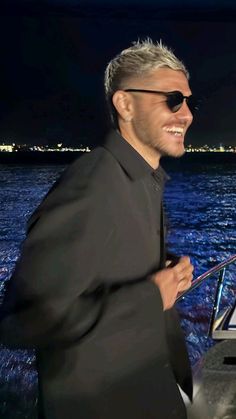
[{"x": 123, "y": 104}]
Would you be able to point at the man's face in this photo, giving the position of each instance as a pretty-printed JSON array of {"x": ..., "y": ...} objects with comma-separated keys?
[{"x": 153, "y": 124}]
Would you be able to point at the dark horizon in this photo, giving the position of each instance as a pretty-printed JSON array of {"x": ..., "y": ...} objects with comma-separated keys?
[{"x": 54, "y": 56}]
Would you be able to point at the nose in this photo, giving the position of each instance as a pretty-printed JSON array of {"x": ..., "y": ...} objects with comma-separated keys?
[{"x": 184, "y": 113}]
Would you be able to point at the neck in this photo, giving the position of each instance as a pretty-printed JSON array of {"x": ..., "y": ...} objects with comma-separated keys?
[{"x": 150, "y": 155}]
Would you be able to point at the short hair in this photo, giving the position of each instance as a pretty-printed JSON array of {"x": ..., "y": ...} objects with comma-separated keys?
[{"x": 138, "y": 60}]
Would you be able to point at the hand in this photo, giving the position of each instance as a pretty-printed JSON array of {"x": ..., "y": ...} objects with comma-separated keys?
[{"x": 173, "y": 279}]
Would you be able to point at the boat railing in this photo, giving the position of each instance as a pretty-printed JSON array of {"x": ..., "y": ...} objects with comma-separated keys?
[{"x": 221, "y": 324}]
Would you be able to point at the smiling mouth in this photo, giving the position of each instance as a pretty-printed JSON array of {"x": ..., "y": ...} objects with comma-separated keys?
[{"x": 176, "y": 131}]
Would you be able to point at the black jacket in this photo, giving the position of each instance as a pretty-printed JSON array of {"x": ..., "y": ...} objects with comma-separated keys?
[{"x": 81, "y": 295}]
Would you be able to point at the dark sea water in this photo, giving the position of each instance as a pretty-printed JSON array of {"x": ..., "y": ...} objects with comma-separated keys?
[{"x": 200, "y": 202}]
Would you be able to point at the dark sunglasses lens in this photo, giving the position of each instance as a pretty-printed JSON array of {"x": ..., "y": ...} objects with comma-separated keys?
[
  {"x": 193, "y": 104},
  {"x": 175, "y": 101}
]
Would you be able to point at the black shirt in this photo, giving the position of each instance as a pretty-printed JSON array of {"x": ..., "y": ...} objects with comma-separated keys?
[
  {"x": 101, "y": 353},
  {"x": 149, "y": 179}
]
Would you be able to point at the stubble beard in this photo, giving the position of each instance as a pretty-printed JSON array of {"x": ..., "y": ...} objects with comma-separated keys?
[
  {"x": 170, "y": 153},
  {"x": 160, "y": 147},
  {"x": 168, "y": 150}
]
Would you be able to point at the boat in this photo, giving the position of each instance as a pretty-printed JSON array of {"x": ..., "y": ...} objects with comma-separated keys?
[{"x": 215, "y": 374}]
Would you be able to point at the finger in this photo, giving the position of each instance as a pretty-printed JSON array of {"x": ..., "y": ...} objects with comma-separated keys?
[
  {"x": 184, "y": 259},
  {"x": 185, "y": 275},
  {"x": 187, "y": 271},
  {"x": 183, "y": 267},
  {"x": 184, "y": 284},
  {"x": 180, "y": 267}
]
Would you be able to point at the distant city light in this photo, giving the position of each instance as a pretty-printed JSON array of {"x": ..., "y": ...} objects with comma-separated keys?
[
  {"x": 7, "y": 147},
  {"x": 13, "y": 147},
  {"x": 210, "y": 149},
  {"x": 24, "y": 147}
]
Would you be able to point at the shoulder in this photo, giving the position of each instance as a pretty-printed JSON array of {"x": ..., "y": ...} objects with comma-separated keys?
[
  {"x": 94, "y": 173},
  {"x": 91, "y": 167},
  {"x": 84, "y": 184}
]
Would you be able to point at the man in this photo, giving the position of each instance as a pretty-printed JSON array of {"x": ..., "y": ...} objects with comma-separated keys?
[{"x": 93, "y": 291}]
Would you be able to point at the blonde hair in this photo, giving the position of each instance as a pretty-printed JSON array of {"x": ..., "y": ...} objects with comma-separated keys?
[{"x": 138, "y": 60}]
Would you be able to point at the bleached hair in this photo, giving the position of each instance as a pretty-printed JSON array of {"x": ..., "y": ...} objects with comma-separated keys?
[{"x": 141, "y": 58}]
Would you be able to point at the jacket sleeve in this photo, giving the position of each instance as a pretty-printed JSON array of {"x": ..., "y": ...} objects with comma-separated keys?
[{"x": 55, "y": 296}]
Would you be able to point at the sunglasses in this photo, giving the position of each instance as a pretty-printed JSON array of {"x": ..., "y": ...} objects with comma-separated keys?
[{"x": 174, "y": 100}]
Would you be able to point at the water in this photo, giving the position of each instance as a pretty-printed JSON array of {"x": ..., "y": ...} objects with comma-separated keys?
[{"x": 200, "y": 203}]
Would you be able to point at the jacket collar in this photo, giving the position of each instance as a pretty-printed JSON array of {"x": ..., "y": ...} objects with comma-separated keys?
[{"x": 131, "y": 161}]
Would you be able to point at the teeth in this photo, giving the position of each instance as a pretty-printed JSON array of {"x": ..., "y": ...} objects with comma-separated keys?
[{"x": 175, "y": 130}]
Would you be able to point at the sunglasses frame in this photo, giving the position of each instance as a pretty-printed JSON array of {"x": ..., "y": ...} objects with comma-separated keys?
[{"x": 192, "y": 108}]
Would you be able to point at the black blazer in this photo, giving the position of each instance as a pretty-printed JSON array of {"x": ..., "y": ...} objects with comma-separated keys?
[{"x": 81, "y": 296}]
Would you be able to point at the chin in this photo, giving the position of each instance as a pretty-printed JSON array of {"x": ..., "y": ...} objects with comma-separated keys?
[{"x": 178, "y": 152}]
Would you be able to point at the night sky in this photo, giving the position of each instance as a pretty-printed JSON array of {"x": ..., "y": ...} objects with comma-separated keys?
[{"x": 53, "y": 55}]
